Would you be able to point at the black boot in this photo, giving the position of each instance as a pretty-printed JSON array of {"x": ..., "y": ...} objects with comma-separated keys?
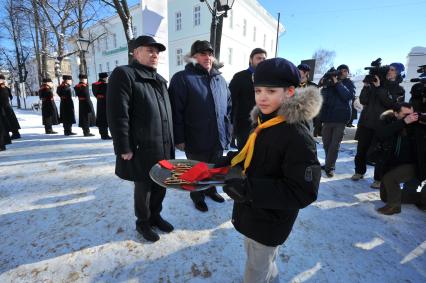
[
  {"x": 104, "y": 133},
  {"x": 161, "y": 224},
  {"x": 15, "y": 135},
  {"x": 87, "y": 133},
  {"x": 146, "y": 231},
  {"x": 49, "y": 130}
]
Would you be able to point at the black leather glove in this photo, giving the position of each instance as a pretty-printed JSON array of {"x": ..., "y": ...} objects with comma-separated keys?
[{"x": 237, "y": 189}]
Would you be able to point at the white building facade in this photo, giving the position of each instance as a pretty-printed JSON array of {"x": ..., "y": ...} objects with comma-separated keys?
[{"x": 177, "y": 24}]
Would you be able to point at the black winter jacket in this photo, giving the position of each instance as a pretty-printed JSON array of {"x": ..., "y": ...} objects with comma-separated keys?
[
  {"x": 49, "y": 111},
  {"x": 284, "y": 173},
  {"x": 337, "y": 105},
  {"x": 66, "y": 108},
  {"x": 99, "y": 90},
  {"x": 140, "y": 120}
]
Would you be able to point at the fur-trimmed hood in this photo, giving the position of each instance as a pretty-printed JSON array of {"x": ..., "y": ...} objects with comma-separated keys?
[
  {"x": 216, "y": 64},
  {"x": 388, "y": 114},
  {"x": 304, "y": 105}
]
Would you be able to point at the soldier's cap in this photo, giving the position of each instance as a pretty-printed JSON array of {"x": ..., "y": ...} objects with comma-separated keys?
[
  {"x": 47, "y": 80},
  {"x": 343, "y": 67},
  {"x": 82, "y": 76},
  {"x": 304, "y": 67},
  {"x": 103, "y": 75},
  {"x": 67, "y": 77},
  {"x": 2, "y": 77},
  {"x": 201, "y": 46},
  {"x": 145, "y": 40},
  {"x": 276, "y": 72}
]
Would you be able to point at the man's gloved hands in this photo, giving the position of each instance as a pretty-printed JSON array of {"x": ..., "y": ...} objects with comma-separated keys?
[
  {"x": 236, "y": 185},
  {"x": 225, "y": 161}
]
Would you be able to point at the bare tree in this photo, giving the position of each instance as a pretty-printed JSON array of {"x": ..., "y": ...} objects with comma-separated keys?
[
  {"x": 324, "y": 60},
  {"x": 122, "y": 9}
]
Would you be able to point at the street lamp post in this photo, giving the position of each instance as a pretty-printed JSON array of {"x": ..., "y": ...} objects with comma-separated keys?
[
  {"x": 83, "y": 46},
  {"x": 219, "y": 9}
]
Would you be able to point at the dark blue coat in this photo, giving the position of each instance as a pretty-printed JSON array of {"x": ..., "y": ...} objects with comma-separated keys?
[
  {"x": 201, "y": 104},
  {"x": 337, "y": 105}
]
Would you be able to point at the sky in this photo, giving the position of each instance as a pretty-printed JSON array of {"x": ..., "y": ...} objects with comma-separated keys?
[{"x": 358, "y": 31}]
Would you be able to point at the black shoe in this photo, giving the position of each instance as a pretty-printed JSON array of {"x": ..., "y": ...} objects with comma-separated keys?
[
  {"x": 329, "y": 173},
  {"x": 106, "y": 137},
  {"x": 69, "y": 134},
  {"x": 201, "y": 206},
  {"x": 146, "y": 231},
  {"x": 89, "y": 135},
  {"x": 216, "y": 197},
  {"x": 51, "y": 132},
  {"x": 323, "y": 167},
  {"x": 15, "y": 136},
  {"x": 2, "y": 148},
  {"x": 350, "y": 126},
  {"x": 162, "y": 224}
]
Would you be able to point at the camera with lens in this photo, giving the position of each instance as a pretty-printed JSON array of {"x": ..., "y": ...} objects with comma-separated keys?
[
  {"x": 376, "y": 69},
  {"x": 327, "y": 79},
  {"x": 418, "y": 91}
]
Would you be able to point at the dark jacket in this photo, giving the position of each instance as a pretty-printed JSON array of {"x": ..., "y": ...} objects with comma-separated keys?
[
  {"x": 100, "y": 92},
  {"x": 337, "y": 105},
  {"x": 49, "y": 111},
  {"x": 284, "y": 173},
  {"x": 86, "y": 112},
  {"x": 242, "y": 94},
  {"x": 140, "y": 120},
  {"x": 400, "y": 143},
  {"x": 201, "y": 105},
  {"x": 376, "y": 100},
  {"x": 11, "y": 121},
  {"x": 66, "y": 108},
  {"x": 4, "y": 130}
]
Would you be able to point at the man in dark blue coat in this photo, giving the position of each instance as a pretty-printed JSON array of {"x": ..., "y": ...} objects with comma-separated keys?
[
  {"x": 335, "y": 114},
  {"x": 201, "y": 104}
]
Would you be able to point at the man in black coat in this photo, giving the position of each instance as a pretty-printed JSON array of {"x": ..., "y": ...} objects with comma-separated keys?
[
  {"x": 66, "y": 108},
  {"x": 201, "y": 104},
  {"x": 49, "y": 111},
  {"x": 86, "y": 112},
  {"x": 4, "y": 134},
  {"x": 315, "y": 126},
  {"x": 99, "y": 89},
  {"x": 242, "y": 94},
  {"x": 11, "y": 120},
  {"x": 140, "y": 119}
]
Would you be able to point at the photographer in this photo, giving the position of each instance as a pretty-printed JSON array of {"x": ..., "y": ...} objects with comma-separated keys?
[
  {"x": 402, "y": 135},
  {"x": 337, "y": 94},
  {"x": 376, "y": 96}
]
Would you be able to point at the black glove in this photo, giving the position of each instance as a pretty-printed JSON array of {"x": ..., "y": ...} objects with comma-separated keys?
[
  {"x": 225, "y": 161},
  {"x": 236, "y": 185}
]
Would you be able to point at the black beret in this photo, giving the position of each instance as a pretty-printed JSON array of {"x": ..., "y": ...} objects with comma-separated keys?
[
  {"x": 201, "y": 46},
  {"x": 304, "y": 67},
  {"x": 66, "y": 77},
  {"x": 276, "y": 72},
  {"x": 145, "y": 40},
  {"x": 257, "y": 51},
  {"x": 343, "y": 67},
  {"x": 47, "y": 80},
  {"x": 2, "y": 77},
  {"x": 103, "y": 75},
  {"x": 82, "y": 76}
]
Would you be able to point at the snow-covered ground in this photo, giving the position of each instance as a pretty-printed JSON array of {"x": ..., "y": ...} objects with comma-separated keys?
[{"x": 65, "y": 217}]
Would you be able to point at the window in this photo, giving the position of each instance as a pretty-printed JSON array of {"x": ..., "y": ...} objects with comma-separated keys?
[
  {"x": 197, "y": 15},
  {"x": 178, "y": 20},
  {"x": 230, "y": 56},
  {"x": 254, "y": 33},
  {"x": 231, "y": 19},
  {"x": 264, "y": 41},
  {"x": 108, "y": 67},
  {"x": 179, "y": 57},
  {"x": 135, "y": 31},
  {"x": 100, "y": 68},
  {"x": 244, "y": 27},
  {"x": 114, "y": 40},
  {"x": 116, "y": 63}
]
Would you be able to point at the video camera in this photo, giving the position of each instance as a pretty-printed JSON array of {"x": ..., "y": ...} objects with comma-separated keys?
[
  {"x": 418, "y": 91},
  {"x": 327, "y": 79},
  {"x": 422, "y": 77},
  {"x": 376, "y": 69}
]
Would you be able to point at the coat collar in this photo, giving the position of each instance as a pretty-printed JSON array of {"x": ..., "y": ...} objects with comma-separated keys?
[
  {"x": 146, "y": 72},
  {"x": 197, "y": 68}
]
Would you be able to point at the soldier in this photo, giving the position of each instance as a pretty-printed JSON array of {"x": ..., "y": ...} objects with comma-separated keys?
[
  {"x": 99, "y": 89},
  {"x": 67, "y": 105},
  {"x": 10, "y": 118},
  {"x": 49, "y": 111},
  {"x": 4, "y": 134},
  {"x": 86, "y": 112}
]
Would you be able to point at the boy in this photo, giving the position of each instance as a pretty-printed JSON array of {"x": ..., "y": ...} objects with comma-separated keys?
[{"x": 282, "y": 172}]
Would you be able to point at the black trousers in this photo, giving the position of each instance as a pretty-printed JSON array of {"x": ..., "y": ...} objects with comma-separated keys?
[
  {"x": 148, "y": 197},
  {"x": 208, "y": 157},
  {"x": 365, "y": 139}
]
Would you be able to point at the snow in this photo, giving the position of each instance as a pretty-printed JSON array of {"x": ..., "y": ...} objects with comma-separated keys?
[{"x": 65, "y": 217}]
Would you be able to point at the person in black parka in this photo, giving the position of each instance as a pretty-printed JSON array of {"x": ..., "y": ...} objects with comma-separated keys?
[
  {"x": 49, "y": 111},
  {"x": 99, "y": 90},
  {"x": 140, "y": 119},
  {"x": 11, "y": 120},
  {"x": 242, "y": 94},
  {"x": 86, "y": 112},
  {"x": 282, "y": 171},
  {"x": 66, "y": 108}
]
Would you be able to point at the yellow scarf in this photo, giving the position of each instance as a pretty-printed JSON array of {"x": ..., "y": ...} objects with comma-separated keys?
[{"x": 246, "y": 153}]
